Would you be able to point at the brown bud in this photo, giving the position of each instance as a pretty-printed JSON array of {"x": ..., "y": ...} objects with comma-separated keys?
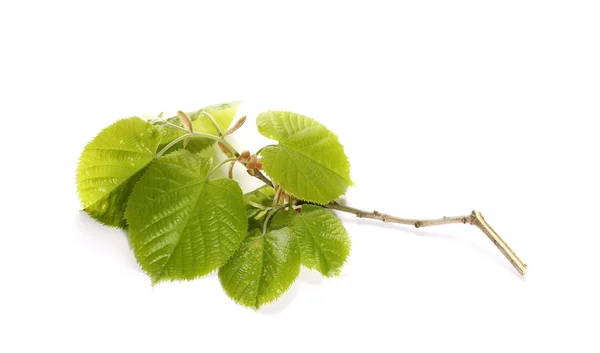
[
  {"x": 244, "y": 157},
  {"x": 236, "y": 126},
  {"x": 185, "y": 121},
  {"x": 225, "y": 150},
  {"x": 230, "y": 172}
]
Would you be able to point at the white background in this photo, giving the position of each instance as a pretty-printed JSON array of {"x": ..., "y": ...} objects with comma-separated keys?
[{"x": 443, "y": 107}]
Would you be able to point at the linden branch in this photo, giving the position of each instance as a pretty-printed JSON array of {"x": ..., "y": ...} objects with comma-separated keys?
[{"x": 475, "y": 218}]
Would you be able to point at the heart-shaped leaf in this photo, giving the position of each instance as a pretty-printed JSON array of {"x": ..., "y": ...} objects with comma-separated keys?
[
  {"x": 223, "y": 115},
  {"x": 258, "y": 199},
  {"x": 111, "y": 164},
  {"x": 181, "y": 225},
  {"x": 309, "y": 162},
  {"x": 262, "y": 269},
  {"x": 323, "y": 239}
]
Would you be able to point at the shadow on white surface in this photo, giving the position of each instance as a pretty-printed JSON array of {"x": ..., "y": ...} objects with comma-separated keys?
[
  {"x": 98, "y": 237},
  {"x": 306, "y": 277}
]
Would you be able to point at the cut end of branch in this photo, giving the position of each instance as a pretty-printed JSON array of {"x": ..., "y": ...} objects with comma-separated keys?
[{"x": 478, "y": 221}]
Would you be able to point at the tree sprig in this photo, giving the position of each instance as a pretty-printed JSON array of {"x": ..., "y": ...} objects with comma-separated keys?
[{"x": 152, "y": 178}]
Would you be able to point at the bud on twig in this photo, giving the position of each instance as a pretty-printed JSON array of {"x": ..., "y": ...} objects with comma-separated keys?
[
  {"x": 225, "y": 150},
  {"x": 236, "y": 126},
  {"x": 185, "y": 121}
]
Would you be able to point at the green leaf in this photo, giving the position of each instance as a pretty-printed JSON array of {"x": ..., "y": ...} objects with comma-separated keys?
[
  {"x": 223, "y": 114},
  {"x": 263, "y": 196},
  {"x": 262, "y": 269},
  {"x": 309, "y": 162},
  {"x": 181, "y": 225},
  {"x": 111, "y": 164},
  {"x": 323, "y": 240},
  {"x": 284, "y": 218}
]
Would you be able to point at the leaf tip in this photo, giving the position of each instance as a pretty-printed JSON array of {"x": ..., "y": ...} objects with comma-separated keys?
[{"x": 154, "y": 280}]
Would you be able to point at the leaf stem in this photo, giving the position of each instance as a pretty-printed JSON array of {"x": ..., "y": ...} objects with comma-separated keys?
[
  {"x": 475, "y": 218},
  {"x": 268, "y": 218},
  {"x": 197, "y": 134},
  {"x": 219, "y": 166},
  {"x": 260, "y": 176},
  {"x": 262, "y": 148},
  {"x": 163, "y": 121},
  {"x": 171, "y": 144},
  {"x": 228, "y": 145},
  {"x": 214, "y": 122}
]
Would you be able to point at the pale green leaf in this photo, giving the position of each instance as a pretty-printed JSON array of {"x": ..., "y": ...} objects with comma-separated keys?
[
  {"x": 262, "y": 269},
  {"x": 262, "y": 197},
  {"x": 223, "y": 115},
  {"x": 257, "y": 202},
  {"x": 324, "y": 242},
  {"x": 284, "y": 218},
  {"x": 309, "y": 162},
  {"x": 181, "y": 225},
  {"x": 111, "y": 164}
]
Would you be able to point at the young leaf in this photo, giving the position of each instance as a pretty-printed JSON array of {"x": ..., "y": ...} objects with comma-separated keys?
[
  {"x": 309, "y": 162},
  {"x": 262, "y": 269},
  {"x": 256, "y": 203},
  {"x": 324, "y": 242},
  {"x": 263, "y": 197},
  {"x": 223, "y": 115},
  {"x": 181, "y": 225},
  {"x": 111, "y": 164}
]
